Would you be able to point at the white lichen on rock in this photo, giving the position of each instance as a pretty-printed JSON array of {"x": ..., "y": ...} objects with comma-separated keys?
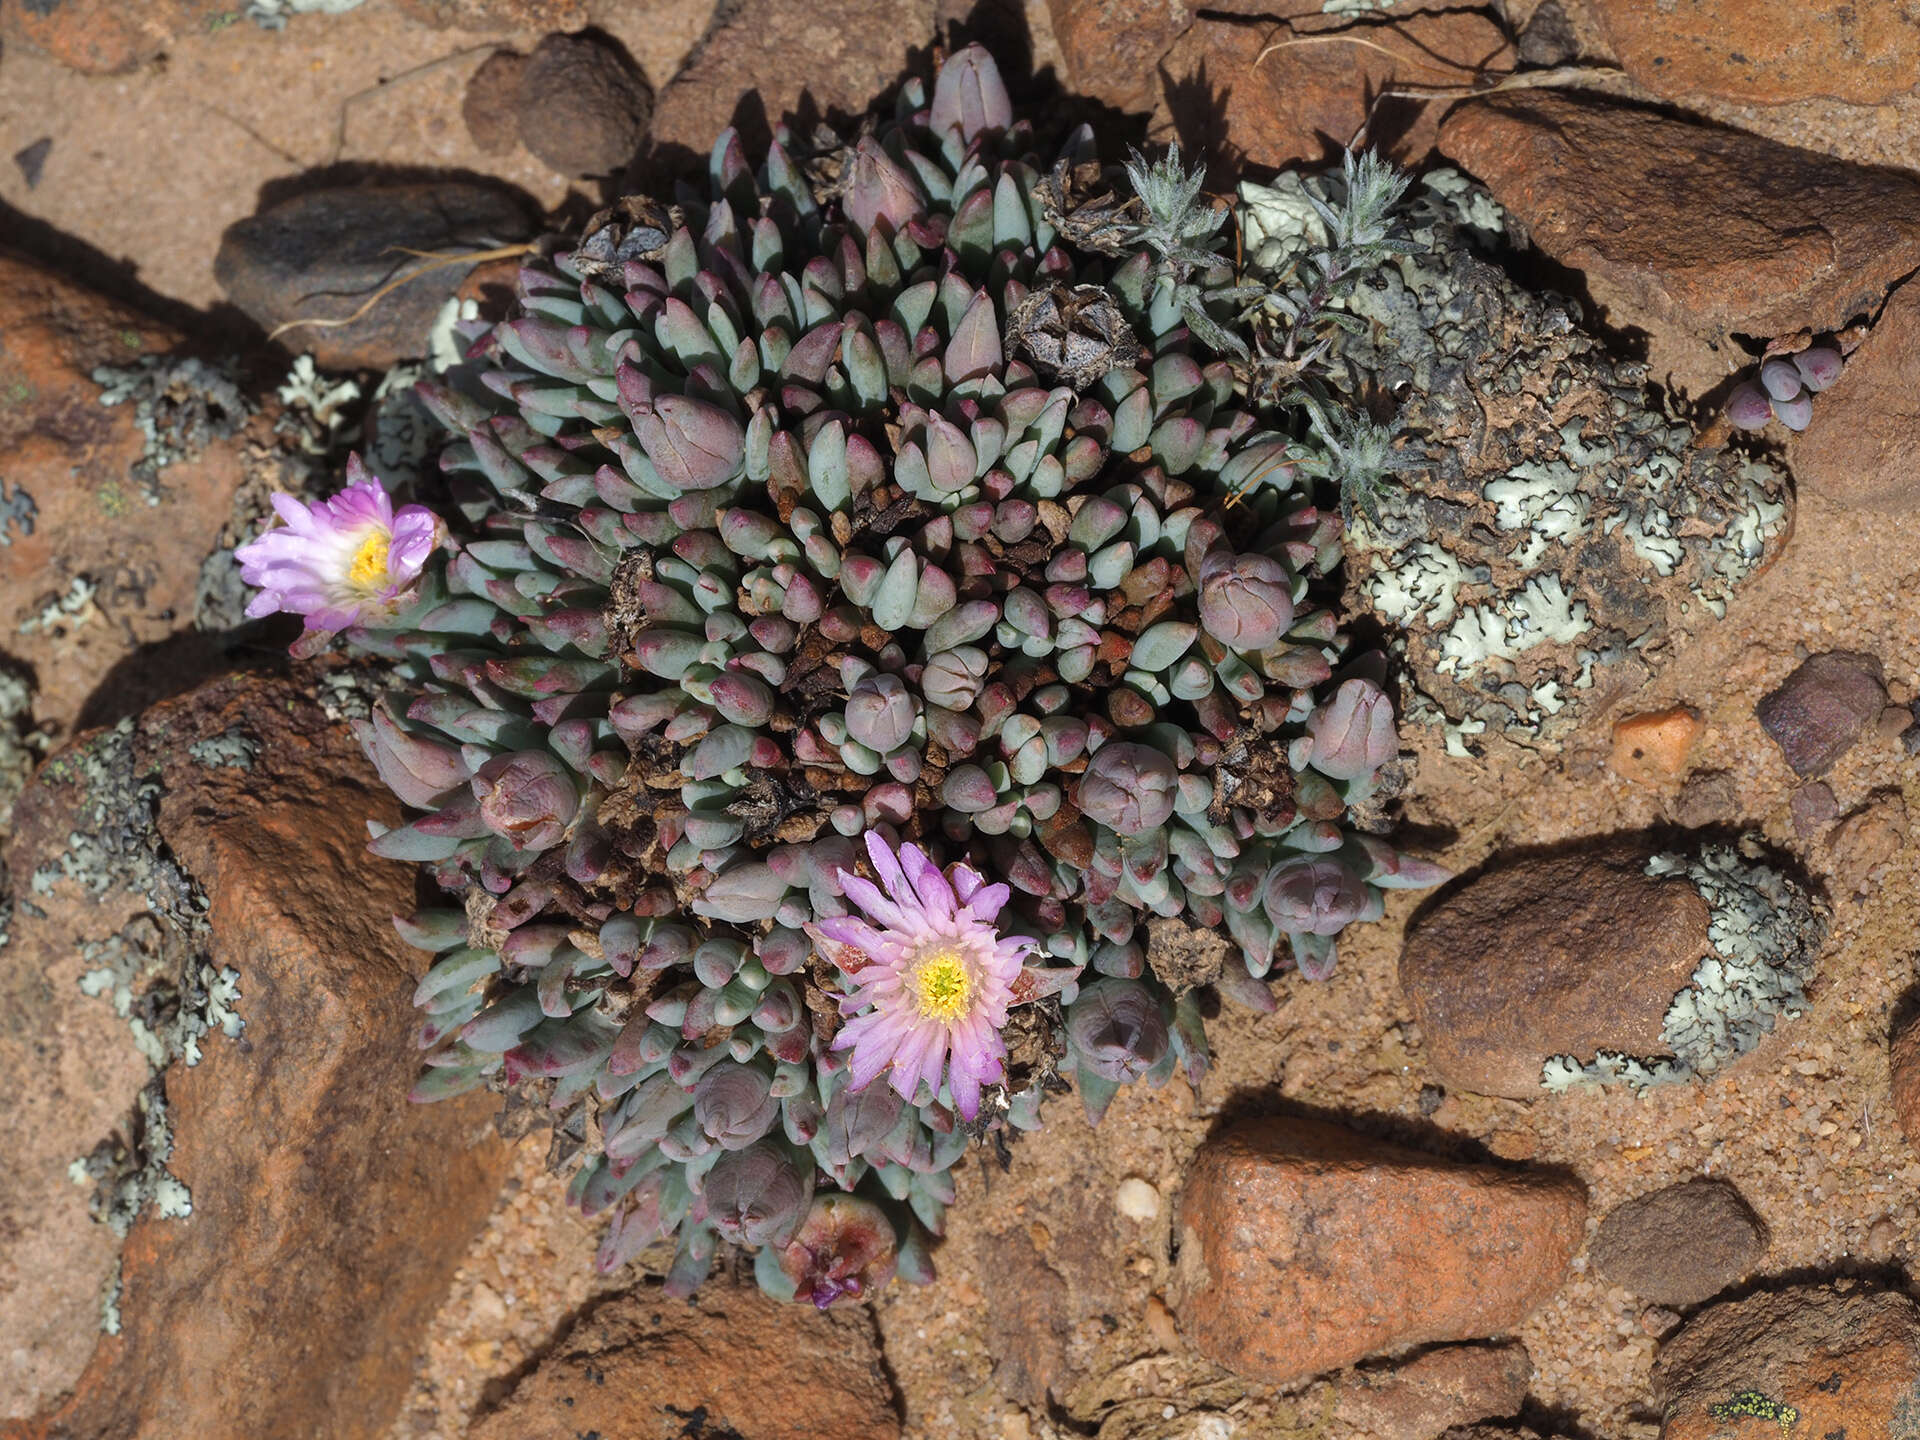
[{"x": 1766, "y": 933}]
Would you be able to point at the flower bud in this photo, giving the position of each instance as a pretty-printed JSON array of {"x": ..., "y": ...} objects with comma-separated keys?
[
  {"x": 694, "y": 445},
  {"x": 1246, "y": 601},
  {"x": 845, "y": 1246},
  {"x": 759, "y": 1195},
  {"x": 882, "y": 190},
  {"x": 1353, "y": 734},
  {"x": 880, "y": 713},
  {"x": 953, "y": 678},
  {"x": 1129, "y": 788},
  {"x": 733, "y": 1105},
  {"x": 1117, "y": 1029},
  {"x": 969, "y": 96},
  {"x": 528, "y": 798},
  {"x": 1314, "y": 895}
]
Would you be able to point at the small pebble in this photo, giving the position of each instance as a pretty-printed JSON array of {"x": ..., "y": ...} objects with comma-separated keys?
[{"x": 1137, "y": 1200}]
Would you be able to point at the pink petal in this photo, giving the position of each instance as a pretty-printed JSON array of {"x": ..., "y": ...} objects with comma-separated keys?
[
  {"x": 867, "y": 896},
  {"x": 936, "y": 896},
  {"x": 988, "y": 901},
  {"x": 887, "y": 867}
]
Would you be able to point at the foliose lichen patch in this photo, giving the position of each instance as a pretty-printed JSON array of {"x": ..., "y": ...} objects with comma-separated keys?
[{"x": 1766, "y": 933}]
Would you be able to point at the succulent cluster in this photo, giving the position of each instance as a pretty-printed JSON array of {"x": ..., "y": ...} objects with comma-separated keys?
[
  {"x": 869, "y": 518},
  {"x": 1784, "y": 387}
]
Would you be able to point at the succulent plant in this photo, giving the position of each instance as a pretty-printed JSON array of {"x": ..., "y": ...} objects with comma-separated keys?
[
  {"x": 1783, "y": 388},
  {"x": 773, "y": 524}
]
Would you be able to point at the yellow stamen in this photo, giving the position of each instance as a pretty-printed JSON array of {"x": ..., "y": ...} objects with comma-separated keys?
[
  {"x": 943, "y": 987},
  {"x": 368, "y": 570}
]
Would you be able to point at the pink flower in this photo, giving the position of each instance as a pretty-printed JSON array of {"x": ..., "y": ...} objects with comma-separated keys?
[
  {"x": 340, "y": 561},
  {"x": 932, "y": 983}
]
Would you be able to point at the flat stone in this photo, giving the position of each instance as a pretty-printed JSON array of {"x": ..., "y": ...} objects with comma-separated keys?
[
  {"x": 1859, "y": 448},
  {"x": 640, "y": 1366},
  {"x": 1691, "y": 232},
  {"x": 322, "y": 255},
  {"x": 1680, "y": 1245},
  {"x": 1837, "y": 1360},
  {"x": 328, "y": 1213},
  {"x": 1568, "y": 955},
  {"x": 1305, "y": 1246},
  {"x": 1766, "y": 52},
  {"x": 1822, "y": 708}
]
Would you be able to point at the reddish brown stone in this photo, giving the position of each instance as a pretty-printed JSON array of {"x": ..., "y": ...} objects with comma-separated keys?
[
  {"x": 1691, "y": 232},
  {"x": 1652, "y": 748},
  {"x": 1305, "y": 1247},
  {"x": 746, "y": 72},
  {"x": 105, "y": 37},
  {"x": 328, "y": 1213},
  {"x": 1242, "y": 103},
  {"x": 55, "y": 1261},
  {"x": 583, "y": 105},
  {"x": 639, "y": 1366},
  {"x": 1766, "y": 52},
  {"x": 1904, "y": 1060},
  {"x": 1451, "y": 1385},
  {"x": 1568, "y": 955},
  {"x": 75, "y": 518},
  {"x": 1866, "y": 429},
  {"x": 1112, "y": 48},
  {"x": 1845, "y": 1361}
]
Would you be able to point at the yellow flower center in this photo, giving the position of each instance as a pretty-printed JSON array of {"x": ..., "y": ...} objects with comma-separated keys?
[
  {"x": 368, "y": 569},
  {"x": 943, "y": 987}
]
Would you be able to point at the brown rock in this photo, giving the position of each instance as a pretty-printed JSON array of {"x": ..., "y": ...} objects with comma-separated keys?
[
  {"x": 1844, "y": 1361},
  {"x": 105, "y": 37},
  {"x": 55, "y": 1262},
  {"x": 638, "y": 1366},
  {"x": 323, "y": 254},
  {"x": 491, "y": 106},
  {"x": 1296, "y": 102},
  {"x": 1859, "y": 448},
  {"x": 1691, "y": 232},
  {"x": 583, "y": 105},
  {"x": 1651, "y": 749},
  {"x": 1305, "y": 1247},
  {"x": 1680, "y": 1245},
  {"x": 1822, "y": 708},
  {"x": 100, "y": 552},
  {"x": 1904, "y": 1062},
  {"x": 745, "y": 72},
  {"x": 1568, "y": 955},
  {"x": 328, "y": 1214},
  {"x": 1766, "y": 52},
  {"x": 1112, "y": 48},
  {"x": 1812, "y": 805},
  {"x": 1452, "y": 1385}
]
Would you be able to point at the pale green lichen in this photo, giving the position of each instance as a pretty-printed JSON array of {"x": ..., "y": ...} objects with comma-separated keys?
[
  {"x": 1766, "y": 933},
  {"x": 181, "y": 404},
  {"x": 231, "y": 749}
]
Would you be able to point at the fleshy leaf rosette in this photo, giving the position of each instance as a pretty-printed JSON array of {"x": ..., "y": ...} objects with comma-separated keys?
[{"x": 813, "y": 688}]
